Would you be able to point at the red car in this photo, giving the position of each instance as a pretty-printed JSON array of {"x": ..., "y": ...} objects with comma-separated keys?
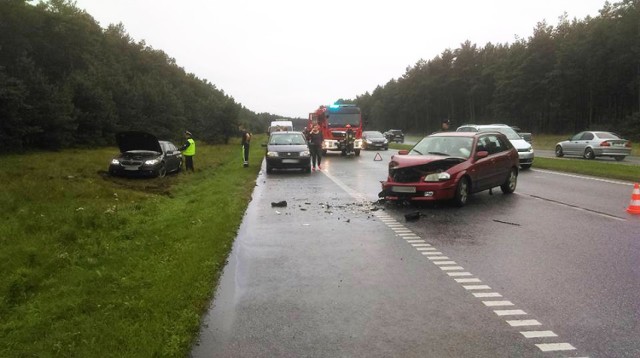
[{"x": 451, "y": 166}]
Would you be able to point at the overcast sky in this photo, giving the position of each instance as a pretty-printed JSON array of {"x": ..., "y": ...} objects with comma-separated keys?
[{"x": 287, "y": 57}]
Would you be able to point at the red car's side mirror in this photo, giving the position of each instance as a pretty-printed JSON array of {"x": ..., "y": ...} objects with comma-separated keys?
[
  {"x": 403, "y": 152},
  {"x": 482, "y": 154}
]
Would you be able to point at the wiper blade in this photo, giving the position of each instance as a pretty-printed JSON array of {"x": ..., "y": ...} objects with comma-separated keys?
[
  {"x": 439, "y": 153},
  {"x": 417, "y": 151}
]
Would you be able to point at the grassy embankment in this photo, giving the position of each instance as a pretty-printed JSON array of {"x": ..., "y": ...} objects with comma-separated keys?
[
  {"x": 611, "y": 170},
  {"x": 95, "y": 266}
]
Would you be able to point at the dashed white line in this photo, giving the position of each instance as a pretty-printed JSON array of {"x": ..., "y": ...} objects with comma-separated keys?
[
  {"x": 456, "y": 274},
  {"x": 415, "y": 241},
  {"x": 434, "y": 253},
  {"x": 443, "y": 262},
  {"x": 451, "y": 268},
  {"x": 510, "y": 312},
  {"x": 552, "y": 347},
  {"x": 467, "y": 280},
  {"x": 422, "y": 245},
  {"x": 497, "y": 303},
  {"x": 486, "y": 294},
  {"x": 437, "y": 257},
  {"x": 476, "y": 287},
  {"x": 523, "y": 322},
  {"x": 538, "y": 334},
  {"x": 425, "y": 248}
]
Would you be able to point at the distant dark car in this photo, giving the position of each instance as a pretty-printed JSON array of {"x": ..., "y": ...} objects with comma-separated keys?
[
  {"x": 451, "y": 166},
  {"x": 374, "y": 140},
  {"x": 593, "y": 144},
  {"x": 394, "y": 135},
  {"x": 142, "y": 154},
  {"x": 287, "y": 150}
]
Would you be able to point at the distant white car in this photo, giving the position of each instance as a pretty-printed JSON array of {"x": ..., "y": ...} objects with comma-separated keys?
[
  {"x": 591, "y": 144},
  {"x": 525, "y": 150}
]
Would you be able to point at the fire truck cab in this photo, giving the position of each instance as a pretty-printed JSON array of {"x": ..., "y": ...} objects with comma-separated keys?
[{"x": 334, "y": 121}]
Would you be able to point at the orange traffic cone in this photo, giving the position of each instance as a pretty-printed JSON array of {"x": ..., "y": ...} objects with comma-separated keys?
[{"x": 634, "y": 206}]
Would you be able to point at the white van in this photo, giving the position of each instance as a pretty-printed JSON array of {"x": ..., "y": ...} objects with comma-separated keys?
[{"x": 280, "y": 125}]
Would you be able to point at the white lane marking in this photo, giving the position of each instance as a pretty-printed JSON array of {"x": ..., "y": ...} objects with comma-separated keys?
[
  {"x": 401, "y": 231},
  {"x": 442, "y": 262},
  {"x": 451, "y": 268},
  {"x": 538, "y": 334},
  {"x": 610, "y": 181},
  {"x": 509, "y": 312},
  {"x": 425, "y": 248},
  {"x": 416, "y": 241},
  {"x": 486, "y": 294},
  {"x": 421, "y": 245},
  {"x": 434, "y": 253},
  {"x": 457, "y": 274},
  {"x": 476, "y": 287},
  {"x": 467, "y": 280},
  {"x": 497, "y": 303},
  {"x": 552, "y": 347},
  {"x": 523, "y": 322},
  {"x": 409, "y": 236},
  {"x": 437, "y": 257}
]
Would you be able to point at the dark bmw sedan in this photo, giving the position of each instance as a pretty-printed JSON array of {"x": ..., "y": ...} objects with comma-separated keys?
[
  {"x": 142, "y": 154},
  {"x": 286, "y": 150}
]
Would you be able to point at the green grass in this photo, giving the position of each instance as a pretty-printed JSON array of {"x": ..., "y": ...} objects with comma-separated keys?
[
  {"x": 110, "y": 267},
  {"x": 598, "y": 169}
]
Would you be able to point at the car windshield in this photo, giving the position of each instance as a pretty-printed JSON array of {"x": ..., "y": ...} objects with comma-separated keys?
[
  {"x": 446, "y": 146},
  {"x": 287, "y": 139},
  {"x": 342, "y": 119},
  {"x": 374, "y": 135},
  {"x": 508, "y": 131}
]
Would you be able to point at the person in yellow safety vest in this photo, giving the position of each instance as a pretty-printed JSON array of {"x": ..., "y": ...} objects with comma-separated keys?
[{"x": 188, "y": 151}]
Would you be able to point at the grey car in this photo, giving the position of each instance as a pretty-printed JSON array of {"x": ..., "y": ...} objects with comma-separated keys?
[
  {"x": 374, "y": 140},
  {"x": 287, "y": 150},
  {"x": 592, "y": 144}
]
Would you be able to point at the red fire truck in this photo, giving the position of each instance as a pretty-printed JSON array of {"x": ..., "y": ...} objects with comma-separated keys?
[{"x": 335, "y": 121}]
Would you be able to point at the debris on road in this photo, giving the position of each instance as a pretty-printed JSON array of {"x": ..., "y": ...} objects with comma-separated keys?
[{"x": 280, "y": 204}]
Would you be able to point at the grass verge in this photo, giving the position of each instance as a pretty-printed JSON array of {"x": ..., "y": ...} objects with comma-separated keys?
[{"x": 95, "y": 266}]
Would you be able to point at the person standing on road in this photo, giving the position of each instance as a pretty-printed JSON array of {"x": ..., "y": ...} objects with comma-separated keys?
[
  {"x": 246, "y": 141},
  {"x": 188, "y": 151},
  {"x": 315, "y": 139}
]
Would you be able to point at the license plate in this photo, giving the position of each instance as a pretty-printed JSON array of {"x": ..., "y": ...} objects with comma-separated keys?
[
  {"x": 290, "y": 161},
  {"x": 618, "y": 145},
  {"x": 403, "y": 189}
]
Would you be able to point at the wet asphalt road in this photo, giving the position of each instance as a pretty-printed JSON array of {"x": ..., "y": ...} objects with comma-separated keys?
[{"x": 551, "y": 271}]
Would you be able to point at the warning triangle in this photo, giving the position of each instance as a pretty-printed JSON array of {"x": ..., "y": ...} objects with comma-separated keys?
[{"x": 378, "y": 157}]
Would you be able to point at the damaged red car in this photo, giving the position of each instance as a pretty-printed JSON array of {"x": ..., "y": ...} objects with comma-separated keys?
[{"x": 452, "y": 166}]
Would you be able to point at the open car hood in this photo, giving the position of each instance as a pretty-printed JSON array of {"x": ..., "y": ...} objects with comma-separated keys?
[{"x": 133, "y": 140}]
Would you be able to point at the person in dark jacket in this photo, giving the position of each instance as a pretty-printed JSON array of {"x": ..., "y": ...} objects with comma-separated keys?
[
  {"x": 246, "y": 141},
  {"x": 315, "y": 147}
]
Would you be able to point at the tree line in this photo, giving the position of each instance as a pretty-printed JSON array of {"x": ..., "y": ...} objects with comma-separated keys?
[
  {"x": 578, "y": 75},
  {"x": 66, "y": 82}
]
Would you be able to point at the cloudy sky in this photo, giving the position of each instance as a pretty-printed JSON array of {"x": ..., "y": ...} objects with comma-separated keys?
[{"x": 287, "y": 57}]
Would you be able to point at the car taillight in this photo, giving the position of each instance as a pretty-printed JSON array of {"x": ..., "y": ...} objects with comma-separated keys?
[{"x": 605, "y": 144}]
